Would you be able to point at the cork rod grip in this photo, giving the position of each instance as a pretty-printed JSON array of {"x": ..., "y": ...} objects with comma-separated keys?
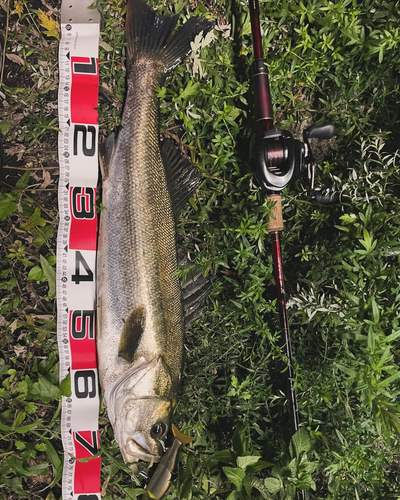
[{"x": 276, "y": 218}]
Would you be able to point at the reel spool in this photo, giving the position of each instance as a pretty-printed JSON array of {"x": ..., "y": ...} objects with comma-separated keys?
[{"x": 278, "y": 159}]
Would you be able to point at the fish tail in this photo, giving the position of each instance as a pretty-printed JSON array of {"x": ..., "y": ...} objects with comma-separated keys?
[{"x": 150, "y": 35}]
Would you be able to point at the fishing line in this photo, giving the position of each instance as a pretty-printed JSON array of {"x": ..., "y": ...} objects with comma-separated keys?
[{"x": 76, "y": 247}]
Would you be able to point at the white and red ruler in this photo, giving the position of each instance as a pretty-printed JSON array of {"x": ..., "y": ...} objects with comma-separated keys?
[{"x": 76, "y": 247}]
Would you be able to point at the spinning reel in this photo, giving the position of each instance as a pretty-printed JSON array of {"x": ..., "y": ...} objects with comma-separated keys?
[{"x": 279, "y": 159}]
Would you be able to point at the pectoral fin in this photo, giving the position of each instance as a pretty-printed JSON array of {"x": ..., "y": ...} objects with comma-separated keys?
[
  {"x": 107, "y": 151},
  {"x": 131, "y": 334}
]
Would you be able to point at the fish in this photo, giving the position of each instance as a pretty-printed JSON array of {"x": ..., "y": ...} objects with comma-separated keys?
[
  {"x": 161, "y": 479},
  {"x": 145, "y": 184}
]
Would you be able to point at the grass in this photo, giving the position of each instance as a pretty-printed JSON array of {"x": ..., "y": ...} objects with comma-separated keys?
[{"x": 328, "y": 61}]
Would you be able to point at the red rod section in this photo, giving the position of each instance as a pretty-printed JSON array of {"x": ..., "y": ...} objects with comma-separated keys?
[
  {"x": 264, "y": 118},
  {"x": 255, "y": 29},
  {"x": 262, "y": 96},
  {"x": 280, "y": 288}
]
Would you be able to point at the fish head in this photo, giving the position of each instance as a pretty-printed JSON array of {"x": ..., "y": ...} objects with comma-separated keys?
[
  {"x": 145, "y": 429},
  {"x": 139, "y": 406}
]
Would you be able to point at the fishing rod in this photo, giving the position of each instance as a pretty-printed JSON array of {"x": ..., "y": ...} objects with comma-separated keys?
[{"x": 278, "y": 160}]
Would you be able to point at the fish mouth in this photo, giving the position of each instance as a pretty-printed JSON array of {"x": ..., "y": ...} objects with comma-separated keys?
[{"x": 137, "y": 449}]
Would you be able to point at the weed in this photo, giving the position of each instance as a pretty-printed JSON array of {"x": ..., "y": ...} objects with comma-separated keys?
[{"x": 328, "y": 61}]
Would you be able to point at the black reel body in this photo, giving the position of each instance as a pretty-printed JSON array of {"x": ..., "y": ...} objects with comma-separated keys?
[{"x": 279, "y": 159}]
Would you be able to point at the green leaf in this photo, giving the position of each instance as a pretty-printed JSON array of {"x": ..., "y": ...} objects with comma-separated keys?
[
  {"x": 20, "y": 445},
  {"x": 186, "y": 487},
  {"x": 345, "y": 369},
  {"x": 44, "y": 389},
  {"x": 239, "y": 441},
  {"x": 226, "y": 456},
  {"x": 39, "y": 469},
  {"x": 65, "y": 386},
  {"x": 244, "y": 462},
  {"x": 348, "y": 218},
  {"x": 19, "y": 419},
  {"x": 353, "y": 298},
  {"x": 3, "y": 367},
  {"x": 300, "y": 443},
  {"x": 375, "y": 310},
  {"x": 260, "y": 465},
  {"x": 235, "y": 475},
  {"x": 23, "y": 182},
  {"x": 36, "y": 274},
  {"x": 50, "y": 275},
  {"x": 246, "y": 26},
  {"x": 273, "y": 485},
  {"x": 15, "y": 464},
  {"x": 389, "y": 380},
  {"x": 5, "y": 127},
  {"x": 7, "y": 205},
  {"x": 43, "y": 235},
  {"x": 190, "y": 90},
  {"x": 30, "y": 408},
  {"x": 23, "y": 429},
  {"x": 389, "y": 338},
  {"x": 234, "y": 113},
  {"x": 134, "y": 493},
  {"x": 4, "y": 427},
  {"x": 52, "y": 454},
  {"x": 34, "y": 220},
  {"x": 15, "y": 484}
]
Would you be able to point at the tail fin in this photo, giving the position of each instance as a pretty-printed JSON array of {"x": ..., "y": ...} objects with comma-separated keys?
[{"x": 149, "y": 34}]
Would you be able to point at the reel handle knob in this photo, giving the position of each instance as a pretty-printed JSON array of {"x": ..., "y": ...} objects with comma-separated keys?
[
  {"x": 323, "y": 132},
  {"x": 327, "y": 198}
]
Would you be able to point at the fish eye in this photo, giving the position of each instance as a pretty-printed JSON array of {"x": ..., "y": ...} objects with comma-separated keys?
[{"x": 158, "y": 430}]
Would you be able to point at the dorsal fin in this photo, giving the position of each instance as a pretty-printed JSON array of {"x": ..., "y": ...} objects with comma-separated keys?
[
  {"x": 131, "y": 334},
  {"x": 194, "y": 291},
  {"x": 183, "y": 178}
]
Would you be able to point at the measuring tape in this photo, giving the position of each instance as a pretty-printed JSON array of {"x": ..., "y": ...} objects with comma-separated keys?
[{"x": 76, "y": 247}]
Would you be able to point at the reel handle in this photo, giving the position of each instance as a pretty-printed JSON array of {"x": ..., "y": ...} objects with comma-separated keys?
[
  {"x": 327, "y": 198},
  {"x": 322, "y": 132}
]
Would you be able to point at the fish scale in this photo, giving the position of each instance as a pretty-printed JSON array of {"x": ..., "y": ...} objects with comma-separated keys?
[
  {"x": 137, "y": 250},
  {"x": 137, "y": 237},
  {"x": 140, "y": 313}
]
